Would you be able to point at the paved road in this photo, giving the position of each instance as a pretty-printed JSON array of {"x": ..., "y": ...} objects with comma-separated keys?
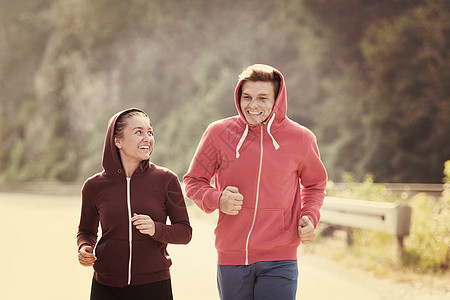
[
  {"x": 319, "y": 278},
  {"x": 38, "y": 260}
]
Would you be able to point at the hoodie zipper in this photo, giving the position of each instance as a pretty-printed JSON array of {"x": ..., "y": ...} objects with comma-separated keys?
[
  {"x": 257, "y": 197},
  {"x": 130, "y": 229}
]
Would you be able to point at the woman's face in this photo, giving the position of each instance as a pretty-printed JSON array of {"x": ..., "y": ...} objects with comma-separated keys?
[{"x": 136, "y": 143}]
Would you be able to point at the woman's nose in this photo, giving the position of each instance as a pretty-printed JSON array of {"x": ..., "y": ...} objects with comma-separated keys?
[{"x": 147, "y": 137}]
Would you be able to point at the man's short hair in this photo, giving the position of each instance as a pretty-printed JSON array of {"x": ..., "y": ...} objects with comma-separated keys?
[{"x": 259, "y": 72}]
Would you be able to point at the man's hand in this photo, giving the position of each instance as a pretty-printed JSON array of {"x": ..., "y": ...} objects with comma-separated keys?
[
  {"x": 231, "y": 201},
  {"x": 306, "y": 230},
  {"x": 86, "y": 256}
]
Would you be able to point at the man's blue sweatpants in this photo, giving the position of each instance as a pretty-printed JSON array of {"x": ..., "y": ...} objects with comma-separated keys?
[{"x": 275, "y": 280}]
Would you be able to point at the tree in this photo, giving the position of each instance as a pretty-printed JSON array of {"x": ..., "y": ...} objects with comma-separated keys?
[{"x": 408, "y": 120}]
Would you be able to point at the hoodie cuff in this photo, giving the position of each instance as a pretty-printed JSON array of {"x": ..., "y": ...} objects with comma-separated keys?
[
  {"x": 82, "y": 245},
  {"x": 158, "y": 231},
  {"x": 213, "y": 199}
]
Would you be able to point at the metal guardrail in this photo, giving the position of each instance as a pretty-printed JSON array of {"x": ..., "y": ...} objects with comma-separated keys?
[
  {"x": 397, "y": 188},
  {"x": 384, "y": 217}
]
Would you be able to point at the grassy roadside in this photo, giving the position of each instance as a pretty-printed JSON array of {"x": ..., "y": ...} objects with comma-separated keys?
[
  {"x": 425, "y": 258},
  {"x": 378, "y": 257}
]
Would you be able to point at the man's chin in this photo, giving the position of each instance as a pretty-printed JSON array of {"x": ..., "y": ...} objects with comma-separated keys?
[{"x": 253, "y": 121}]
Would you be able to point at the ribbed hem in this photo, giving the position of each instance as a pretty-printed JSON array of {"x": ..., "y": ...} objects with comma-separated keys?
[
  {"x": 136, "y": 279},
  {"x": 238, "y": 258}
]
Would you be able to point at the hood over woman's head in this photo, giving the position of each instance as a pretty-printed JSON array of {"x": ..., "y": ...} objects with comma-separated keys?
[{"x": 111, "y": 158}]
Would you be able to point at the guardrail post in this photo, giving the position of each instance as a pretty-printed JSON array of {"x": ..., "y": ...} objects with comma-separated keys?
[
  {"x": 403, "y": 225},
  {"x": 400, "y": 243},
  {"x": 349, "y": 236}
]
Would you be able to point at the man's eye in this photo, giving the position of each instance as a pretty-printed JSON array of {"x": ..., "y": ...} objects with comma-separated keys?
[
  {"x": 138, "y": 132},
  {"x": 150, "y": 133}
]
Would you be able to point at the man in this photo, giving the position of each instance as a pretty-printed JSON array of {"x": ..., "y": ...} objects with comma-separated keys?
[{"x": 269, "y": 185}]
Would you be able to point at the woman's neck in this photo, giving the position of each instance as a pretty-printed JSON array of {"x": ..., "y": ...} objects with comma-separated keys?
[{"x": 129, "y": 168}]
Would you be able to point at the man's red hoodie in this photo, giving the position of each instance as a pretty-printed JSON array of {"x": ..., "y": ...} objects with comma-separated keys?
[
  {"x": 276, "y": 167},
  {"x": 124, "y": 255}
]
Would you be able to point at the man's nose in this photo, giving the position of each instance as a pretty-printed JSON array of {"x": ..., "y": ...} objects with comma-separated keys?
[{"x": 252, "y": 103}]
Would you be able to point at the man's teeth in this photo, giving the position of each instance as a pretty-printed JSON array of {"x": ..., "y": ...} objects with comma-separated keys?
[
  {"x": 253, "y": 113},
  {"x": 144, "y": 147}
]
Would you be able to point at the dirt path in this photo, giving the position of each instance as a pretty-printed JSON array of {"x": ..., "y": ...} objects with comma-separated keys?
[{"x": 38, "y": 260}]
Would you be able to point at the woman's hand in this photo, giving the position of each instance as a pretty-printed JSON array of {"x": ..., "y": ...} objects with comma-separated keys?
[
  {"x": 86, "y": 256},
  {"x": 144, "y": 224}
]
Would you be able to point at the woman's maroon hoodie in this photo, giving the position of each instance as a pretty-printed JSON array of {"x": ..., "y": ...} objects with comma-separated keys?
[{"x": 124, "y": 255}]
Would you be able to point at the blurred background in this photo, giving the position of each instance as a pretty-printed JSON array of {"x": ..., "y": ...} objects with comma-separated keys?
[{"x": 369, "y": 78}]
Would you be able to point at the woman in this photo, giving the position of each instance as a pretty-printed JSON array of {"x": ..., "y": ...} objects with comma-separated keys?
[{"x": 131, "y": 199}]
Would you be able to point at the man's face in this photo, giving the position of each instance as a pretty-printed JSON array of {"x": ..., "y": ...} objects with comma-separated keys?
[{"x": 257, "y": 100}]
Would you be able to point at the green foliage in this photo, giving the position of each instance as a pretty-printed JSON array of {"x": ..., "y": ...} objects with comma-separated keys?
[
  {"x": 407, "y": 59},
  {"x": 192, "y": 118},
  {"x": 385, "y": 104},
  {"x": 366, "y": 190},
  {"x": 368, "y": 246},
  {"x": 371, "y": 84},
  {"x": 447, "y": 172},
  {"x": 13, "y": 149},
  {"x": 426, "y": 249}
]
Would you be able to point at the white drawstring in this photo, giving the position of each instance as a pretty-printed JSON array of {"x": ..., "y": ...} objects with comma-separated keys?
[
  {"x": 241, "y": 141},
  {"x": 244, "y": 136},
  {"x": 274, "y": 142}
]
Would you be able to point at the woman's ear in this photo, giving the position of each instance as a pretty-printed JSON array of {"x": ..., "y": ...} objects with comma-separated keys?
[{"x": 117, "y": 142}]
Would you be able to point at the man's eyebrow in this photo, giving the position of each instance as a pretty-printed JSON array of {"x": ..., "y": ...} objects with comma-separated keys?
[{"x": 263, "y": 93}]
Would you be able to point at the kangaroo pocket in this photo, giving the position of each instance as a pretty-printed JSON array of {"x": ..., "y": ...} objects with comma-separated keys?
[
  {"x": 231, "y": 231},
  {"x": 112, "y": 258},
  {"x": 149, "y": 256},
  {"x": 272, "y": 230}
]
